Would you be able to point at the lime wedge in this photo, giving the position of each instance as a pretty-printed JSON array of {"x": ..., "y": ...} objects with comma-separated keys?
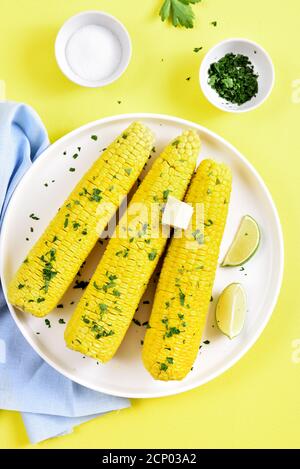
[
  {"x": 231, "y": 310},
  {"x": 245, "y": 243}
]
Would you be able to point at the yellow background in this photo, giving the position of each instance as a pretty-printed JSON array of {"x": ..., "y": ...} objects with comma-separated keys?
[{"x": 257, "y": 402}]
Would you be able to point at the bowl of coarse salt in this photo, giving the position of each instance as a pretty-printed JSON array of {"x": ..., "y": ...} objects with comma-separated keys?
[{"x": 93, "y": 49}]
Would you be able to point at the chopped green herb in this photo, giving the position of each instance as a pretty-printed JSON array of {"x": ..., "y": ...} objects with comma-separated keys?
[
  {"x": 206, "y": 342},
  {"x": 103, "y": 307},
  {"x": 60, "y": 305},
  {"x": 233, "y": 78},
  {"x": 116, "y": 293},
  {"x": 214, "y": 23},
  {"x": 61, "y": 321},
  {"x": 85, "y": 319},
  {"x": 188, "y": 78},
  {"x": 197, "y": 49},
  {"x": 172, "y": 331},
  {"x": 48, "y": 323},
  {"x": 20, "y": 286},
  {"x": 163, "y": 367},
  {"x": 166, "y": 194},
  {"x": 152, "y": 255},
  {"x": 82, "y": 284},
  {"x": 94, "y": 137},
  {"x": 136, "y": 322},
  {"x": 209, "y": 223},
  {"x": 170, "y": 360},
  {"x": 198, "y": 236},
  {"x": 71, "y": 170},
  {"x": 75, "y": 156},
  {"x": 95, "y": 196},
  {"x": 181, "y": 298},
  {"x": 33, "y": 216}
]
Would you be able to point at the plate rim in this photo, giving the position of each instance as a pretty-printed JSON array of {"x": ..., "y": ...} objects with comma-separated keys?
[{"x": 273, "y": 302}]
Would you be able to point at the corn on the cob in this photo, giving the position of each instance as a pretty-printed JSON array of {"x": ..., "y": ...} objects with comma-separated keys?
[
  {"x": 105, "y": 311},
  {"x": 57, "y": 256},
  {"x": 186, "y": 280}
]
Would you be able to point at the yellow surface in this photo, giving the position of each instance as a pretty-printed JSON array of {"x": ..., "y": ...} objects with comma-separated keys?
[{"x": 257, "y": 402}]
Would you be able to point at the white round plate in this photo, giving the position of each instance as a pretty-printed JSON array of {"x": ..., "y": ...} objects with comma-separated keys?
[{"x": 125, "y": 374}]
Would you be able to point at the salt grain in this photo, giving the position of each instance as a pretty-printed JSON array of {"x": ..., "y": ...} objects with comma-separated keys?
[{"x": 93, "y": 52}]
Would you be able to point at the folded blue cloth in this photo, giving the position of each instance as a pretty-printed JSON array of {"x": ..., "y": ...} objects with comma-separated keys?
[{"x": 51, "y": 404}]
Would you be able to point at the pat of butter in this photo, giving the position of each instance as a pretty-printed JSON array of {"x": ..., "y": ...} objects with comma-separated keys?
[{"x": 177, "y": 214}]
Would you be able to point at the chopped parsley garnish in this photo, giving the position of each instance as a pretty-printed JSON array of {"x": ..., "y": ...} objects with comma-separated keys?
[
  {"x": 111, "y": 283},
  {"x": 48, "y": 270},
  {"x": 233, "y": 78},
  {"x": 71, "y": 170},
  {"x": 206, "y": 342},
  {"x": 209, "y": 223},
  {"x": 172, "y": 331},
  {"x": 163, "y": 367},
  {"x": 166, "y": 194},
  {"x": 94, "y": 137},
  {"x": 170, "y": 360},
  {"x": 102, "y": 307},
  {"x": 116, "y": 293},
  {"x": 95, "y": 196},
  {"x": 197, "y": 49},
  {"x": 100, "y": 331},
  {"x": 188, "y": 78},
  {"x": 136, "y": 322},
  {"x": 181, "y": 298},
  {"x": 198, "y": 236},
  {"x": 61, "y": 321},
  {"x": 152, "y": 255},
  {"x": 76, "y": 225},
  {"x": 33, "y": 216},
  {"x": 21, "y": 285},
  {"x": 48, "y": 323},
  {"x": 85, "y": 319},
  {"x": 214, "y": 23},
  {"x": 60, "y": 305},
  {"x": 40, "y": 300},
  {"x": 75, "y": 156},
  {"x": 82, "y": 284}
]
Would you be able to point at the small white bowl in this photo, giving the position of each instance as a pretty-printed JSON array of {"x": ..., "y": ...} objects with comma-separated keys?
[
  {"x": 263, "y": 66},
  {"x": 87, "y": 18}
]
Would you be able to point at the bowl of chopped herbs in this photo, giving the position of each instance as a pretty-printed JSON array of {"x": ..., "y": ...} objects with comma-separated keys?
[{"x": 237, "y": 75}]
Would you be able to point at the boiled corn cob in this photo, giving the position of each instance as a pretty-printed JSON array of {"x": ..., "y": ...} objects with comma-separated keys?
[
  {"x": 186, "y": 280},
  {"x": 55, "y": 259},
  {"x": 105, "y": 311}
]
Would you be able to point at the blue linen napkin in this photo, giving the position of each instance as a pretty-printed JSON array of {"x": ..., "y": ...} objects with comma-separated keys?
[{"x": 51, "y": 404}]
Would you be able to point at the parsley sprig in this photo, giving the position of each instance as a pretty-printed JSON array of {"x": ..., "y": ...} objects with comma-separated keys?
[{"x": 179, "y": 12}]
